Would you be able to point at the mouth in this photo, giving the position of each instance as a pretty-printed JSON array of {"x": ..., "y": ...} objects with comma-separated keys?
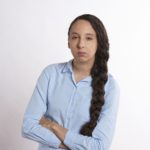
[{"x": 81, "y": 53}]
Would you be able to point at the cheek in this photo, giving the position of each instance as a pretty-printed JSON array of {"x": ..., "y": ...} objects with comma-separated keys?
[
  {"x": 72, "y": 51},
  {"x": 93, "y": 53},
  {"x": 93, "y": 49},
  {"x": 71, "y": 45}
]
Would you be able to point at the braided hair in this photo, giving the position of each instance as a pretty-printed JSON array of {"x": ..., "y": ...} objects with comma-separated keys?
[{"x": 99, "y": 71}]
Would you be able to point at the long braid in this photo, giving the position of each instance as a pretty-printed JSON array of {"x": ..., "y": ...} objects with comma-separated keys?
[
  {"x": 99, "y": 78},
  {"x": 99, "y": 72}
]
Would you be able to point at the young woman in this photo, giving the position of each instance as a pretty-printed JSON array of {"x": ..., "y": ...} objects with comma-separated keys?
[{"x": 74, "y": 104}]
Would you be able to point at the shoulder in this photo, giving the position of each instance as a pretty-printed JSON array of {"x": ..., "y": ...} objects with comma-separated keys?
[
  {"x": 54, "y": 68},
  {"x": 112, "y": 83},
  {"x": 112, "y": 89},
  {"x": 112, "y": 95}
]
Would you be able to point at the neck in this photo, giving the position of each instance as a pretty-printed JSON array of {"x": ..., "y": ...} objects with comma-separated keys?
[{"x": 83, "y": 68}]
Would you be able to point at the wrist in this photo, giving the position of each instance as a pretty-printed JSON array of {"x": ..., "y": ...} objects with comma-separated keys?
[{"x": 54, "y": 126}]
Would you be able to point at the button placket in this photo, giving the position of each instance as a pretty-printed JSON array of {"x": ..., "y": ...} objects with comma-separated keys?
[{"x": 70, "y": 107}]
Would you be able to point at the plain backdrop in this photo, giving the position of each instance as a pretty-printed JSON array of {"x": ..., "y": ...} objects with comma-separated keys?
[{"x": 33, "y": 34}]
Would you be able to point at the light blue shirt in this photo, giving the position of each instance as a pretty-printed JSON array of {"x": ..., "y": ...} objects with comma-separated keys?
[{"x": 61, "y": 99}]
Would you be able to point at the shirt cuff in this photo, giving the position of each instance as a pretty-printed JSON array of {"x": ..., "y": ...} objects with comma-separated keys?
[
  {"x": 53, "y": 140},
  {"x": 70, "y": 139}
]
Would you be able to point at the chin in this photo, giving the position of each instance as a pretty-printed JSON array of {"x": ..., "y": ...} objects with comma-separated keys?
[{"x": 83, "y": 60}]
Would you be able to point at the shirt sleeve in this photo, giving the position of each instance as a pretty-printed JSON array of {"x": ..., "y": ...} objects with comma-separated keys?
[
  {"x": 35, "y": 110},
  {"x": 103, "y": 133}
]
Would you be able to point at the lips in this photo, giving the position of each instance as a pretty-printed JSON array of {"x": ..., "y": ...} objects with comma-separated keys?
[{"x": 81, "y": 53}]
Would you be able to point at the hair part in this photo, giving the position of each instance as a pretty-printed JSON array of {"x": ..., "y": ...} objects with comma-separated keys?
[{"x": 99, "y": 71}]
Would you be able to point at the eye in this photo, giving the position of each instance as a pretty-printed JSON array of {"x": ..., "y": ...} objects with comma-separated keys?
[
  {"x": 74, "y": 37},
  {"x": 89, "y": 38}
]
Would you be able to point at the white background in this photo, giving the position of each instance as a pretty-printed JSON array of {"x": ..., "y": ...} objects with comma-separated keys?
[{"x": 33, "y": 34}]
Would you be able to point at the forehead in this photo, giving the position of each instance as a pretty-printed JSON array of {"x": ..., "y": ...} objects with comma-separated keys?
[{"x": 82, "y": 26}]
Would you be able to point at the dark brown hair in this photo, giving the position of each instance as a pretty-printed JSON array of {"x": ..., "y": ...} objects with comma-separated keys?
[{"x": 99, "y": 71}]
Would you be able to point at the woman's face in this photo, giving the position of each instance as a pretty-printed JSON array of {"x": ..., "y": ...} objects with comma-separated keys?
[{"x": 82, "y": 41}]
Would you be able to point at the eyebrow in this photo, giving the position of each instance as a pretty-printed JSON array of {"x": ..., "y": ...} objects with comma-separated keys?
[{"x": 90, "y": 34}]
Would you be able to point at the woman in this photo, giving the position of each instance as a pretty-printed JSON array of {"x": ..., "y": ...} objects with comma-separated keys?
[{"x": 74, "y": 104}]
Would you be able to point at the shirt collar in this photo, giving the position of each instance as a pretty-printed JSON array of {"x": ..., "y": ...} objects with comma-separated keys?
[{"x": 68, "y": 68}]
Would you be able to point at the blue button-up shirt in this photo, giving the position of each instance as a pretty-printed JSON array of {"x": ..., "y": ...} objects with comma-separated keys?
[{"x": 61, "y": 99}]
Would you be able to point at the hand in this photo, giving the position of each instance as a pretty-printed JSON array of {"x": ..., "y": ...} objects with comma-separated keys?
[
  {"x": 58, "y": 130},
  {"x": 63, "y": 146},
  {"x": 47, "y": 123}
]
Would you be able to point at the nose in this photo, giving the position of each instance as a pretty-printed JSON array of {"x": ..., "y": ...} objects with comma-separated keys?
[{"x": 81, "y": 43}]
